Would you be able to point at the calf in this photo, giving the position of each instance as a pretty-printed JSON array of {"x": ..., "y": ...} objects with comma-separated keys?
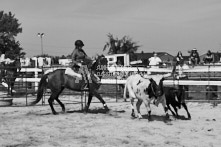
[
  {"x": 145, "y": 90},
  {"x": 176, "y": 98}
]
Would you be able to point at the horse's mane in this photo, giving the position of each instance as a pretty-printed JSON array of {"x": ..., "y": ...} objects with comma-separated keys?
[{"x": 97, "y": 63}]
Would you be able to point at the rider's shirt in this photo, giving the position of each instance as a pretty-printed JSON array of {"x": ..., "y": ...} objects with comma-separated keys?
[{"x": 79, "y": 56}]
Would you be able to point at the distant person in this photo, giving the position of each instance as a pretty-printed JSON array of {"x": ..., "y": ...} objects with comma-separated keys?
[
  {"x": 209, "y": 57},
  {"x": 194, "y": 57},
  {"x": 178, "y": 61},
  {"x": 154, "y": 61},
  {"x": 179, "y": 58}
]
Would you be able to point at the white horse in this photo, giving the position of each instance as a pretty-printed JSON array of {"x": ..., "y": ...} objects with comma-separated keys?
[{"x": 145, "y": 89}]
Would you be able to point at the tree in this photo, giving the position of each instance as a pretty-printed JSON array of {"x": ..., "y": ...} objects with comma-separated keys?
[
  {"x": 121, "y": 46},
  {"x": 9, "y": 29}
]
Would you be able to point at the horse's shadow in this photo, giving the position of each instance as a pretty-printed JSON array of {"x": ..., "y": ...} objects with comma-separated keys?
[
  {"x": 182, "y": 117},
  {"x": 93, "y": 111},
  {"x": 98, "y": 111}
]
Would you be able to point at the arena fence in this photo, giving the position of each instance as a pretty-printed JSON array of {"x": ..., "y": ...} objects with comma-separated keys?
[{"x": 202, "y": 85}]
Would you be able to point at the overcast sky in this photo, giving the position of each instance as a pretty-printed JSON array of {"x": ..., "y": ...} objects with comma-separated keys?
[{"x": 157, "y": 25}]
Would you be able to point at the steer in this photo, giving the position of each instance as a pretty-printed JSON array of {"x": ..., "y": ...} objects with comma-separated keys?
[
  {"x": 176, "y": 97},
  {"x": 145, "y": 89}
]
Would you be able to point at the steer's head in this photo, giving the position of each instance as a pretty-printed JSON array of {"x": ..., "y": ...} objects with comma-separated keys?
[{"x": 156, "y": 85}]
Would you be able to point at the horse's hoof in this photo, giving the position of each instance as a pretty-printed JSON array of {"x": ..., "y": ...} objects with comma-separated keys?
[
  {"x": 106, "y": 108},
  {"x": 189, "y": 117}
]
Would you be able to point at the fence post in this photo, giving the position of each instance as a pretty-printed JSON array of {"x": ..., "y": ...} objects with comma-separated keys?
[
  {"x": 26, "y": 86},
  {"x": 36, "y": 76}
]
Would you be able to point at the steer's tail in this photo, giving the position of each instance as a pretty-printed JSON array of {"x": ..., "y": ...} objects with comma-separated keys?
[
  {"x": 125, "y": 91},
  {"x": 42, "y": 85}
]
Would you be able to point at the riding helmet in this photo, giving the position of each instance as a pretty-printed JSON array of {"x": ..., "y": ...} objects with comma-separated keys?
[{"x": 79, "y": 43}]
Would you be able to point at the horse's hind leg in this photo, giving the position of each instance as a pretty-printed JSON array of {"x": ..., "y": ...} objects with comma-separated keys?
[
  {"x": 88, "y": 102},
  {"x": 54, "y": 95},
  {"x": 60, "y": 103}
]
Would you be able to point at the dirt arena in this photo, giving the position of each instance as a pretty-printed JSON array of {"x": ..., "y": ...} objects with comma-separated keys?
[{"x": 36, "y": 126}]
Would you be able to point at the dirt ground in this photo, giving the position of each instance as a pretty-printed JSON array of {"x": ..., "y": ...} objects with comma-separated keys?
[{"x": 36, "y": 126}]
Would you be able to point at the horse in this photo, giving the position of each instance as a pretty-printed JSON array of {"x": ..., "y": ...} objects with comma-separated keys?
[
  {"x": 57, "y": 81},
  {"x": 9, "y": 72}
]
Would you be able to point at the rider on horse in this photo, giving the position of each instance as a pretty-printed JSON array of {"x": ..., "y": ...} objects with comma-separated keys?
[{"x": 81, "y": 63}]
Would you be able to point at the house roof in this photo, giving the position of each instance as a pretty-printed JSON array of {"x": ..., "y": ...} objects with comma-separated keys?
[{"x": 141, "y": 56}]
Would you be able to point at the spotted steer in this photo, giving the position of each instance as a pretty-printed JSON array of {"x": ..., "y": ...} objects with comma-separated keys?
[{"x": 145, "y": 89}]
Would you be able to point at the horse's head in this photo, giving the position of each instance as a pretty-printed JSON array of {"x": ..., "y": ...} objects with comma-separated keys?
[{"x": 100, "y": 65}]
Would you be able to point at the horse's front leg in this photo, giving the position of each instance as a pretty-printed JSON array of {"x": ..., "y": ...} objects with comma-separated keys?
[{"x": 101, "y": 100}]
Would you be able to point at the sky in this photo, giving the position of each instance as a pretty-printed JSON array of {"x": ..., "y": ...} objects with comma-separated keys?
[{"x": 156, "y": 25}]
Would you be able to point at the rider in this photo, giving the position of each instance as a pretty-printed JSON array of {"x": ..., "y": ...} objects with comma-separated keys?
[
  {"x": 194, "y": 56},
  {"x": 80, "y": 59}
]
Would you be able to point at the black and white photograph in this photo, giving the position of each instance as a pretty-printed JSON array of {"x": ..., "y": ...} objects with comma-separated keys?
[{"x": 117, "y": 73}]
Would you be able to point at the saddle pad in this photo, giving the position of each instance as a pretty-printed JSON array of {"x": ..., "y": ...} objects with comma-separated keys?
[{"x": 70, "y": 72}]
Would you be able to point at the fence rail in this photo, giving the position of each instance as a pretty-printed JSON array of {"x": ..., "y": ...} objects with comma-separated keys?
[{"x": 29, "y": 78}]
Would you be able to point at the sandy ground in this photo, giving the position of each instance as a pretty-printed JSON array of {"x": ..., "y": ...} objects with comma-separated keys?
[{"x": 36, "y": 126}]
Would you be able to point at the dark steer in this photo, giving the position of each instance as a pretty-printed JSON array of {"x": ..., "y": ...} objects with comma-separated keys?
[{"x": 176, "y": 97}]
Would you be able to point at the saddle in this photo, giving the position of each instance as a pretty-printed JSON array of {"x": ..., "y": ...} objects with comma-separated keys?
[{"x": 91, "y": 77}]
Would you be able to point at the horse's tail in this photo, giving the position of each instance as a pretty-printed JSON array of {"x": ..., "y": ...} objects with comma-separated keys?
[{"x": 42, "y": 85}]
